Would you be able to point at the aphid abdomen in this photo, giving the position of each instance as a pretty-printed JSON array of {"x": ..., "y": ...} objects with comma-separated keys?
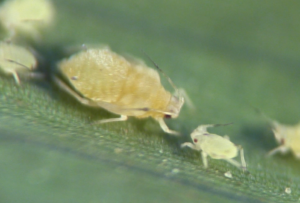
[
  {"x": 96, "y": 74},
  {"x": 101, "y": 75},
  {"x": 142, "y": 89},
  {"x": 218, "y": 147}
]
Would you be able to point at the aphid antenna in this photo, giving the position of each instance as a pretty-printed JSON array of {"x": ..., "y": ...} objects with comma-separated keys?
[
  {"x": 13, "y": 61},
  {"x": 258, "y": 111},
  {"x": 217, "y": 125},
  {"x": 162, "y": 72},
  {"x": 203, "y": 128},
  {"x": 149, "y": 109}
]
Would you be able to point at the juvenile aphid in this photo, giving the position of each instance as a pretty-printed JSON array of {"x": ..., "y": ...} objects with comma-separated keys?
[
  {"x": 15, "y": 59},
  {"x": 101, "y": 78},
  {"x": 288, "y": 137},
  {"x": 215, "y": 146},
  {"x": 26, "y": 16}
]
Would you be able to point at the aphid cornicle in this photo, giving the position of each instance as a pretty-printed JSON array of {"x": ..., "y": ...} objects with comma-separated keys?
[
  {"x": 102, "y": 78},
  {"x": 215, "y": 146},
  {"x": 15, "y": 59},
  {"x": 288, "y": 137}
]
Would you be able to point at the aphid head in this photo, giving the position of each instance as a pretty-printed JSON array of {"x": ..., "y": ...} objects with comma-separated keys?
[
  {"x": 174, "y": 106},
  {"x": 201, "y": 131},
  {"x": 280, "y": 132},
  {"x": 177, "y": 100}
]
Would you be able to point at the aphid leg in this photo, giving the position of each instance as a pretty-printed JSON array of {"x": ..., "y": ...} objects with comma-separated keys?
[
  {"x": 186, "y": 97},
  {"x": 70, "y": 91},
  {"x": 16, "y": 77},
  {"x": 204, "y": 159},
  {"x": 165, "y": 128},
  {"x": 233, "y": 162},
  {"x": 190, "y": 145},
  {"x": 226, "y": 137},
  {"x": 241, "y": 165},
  {"x": 201, "y": 129},
  {"x": 121, "y": 118},
  {"x": 243, "y": 161},
  {"x": 283, "y": 149}
]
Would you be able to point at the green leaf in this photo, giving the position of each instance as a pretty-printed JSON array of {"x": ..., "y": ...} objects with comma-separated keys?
[{"x": 227, "y": 56}]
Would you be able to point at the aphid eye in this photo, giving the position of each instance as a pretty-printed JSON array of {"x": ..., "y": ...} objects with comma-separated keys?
[
  {"x": 195, "y": 140},
  {"x": 167, "y": 116}
]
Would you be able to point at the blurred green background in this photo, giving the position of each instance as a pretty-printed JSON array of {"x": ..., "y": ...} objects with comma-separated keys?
[{"x": 228, "y": 55}]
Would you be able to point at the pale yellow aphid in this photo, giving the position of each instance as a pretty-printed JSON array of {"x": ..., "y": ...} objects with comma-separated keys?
[
  {"x": 288, "y": 137},
  {"x": 27, "y": 17},
  {"x": 215, "y": 146},
  {"x": 102, "y": 78},
  {"x": 15, "y": 59}
]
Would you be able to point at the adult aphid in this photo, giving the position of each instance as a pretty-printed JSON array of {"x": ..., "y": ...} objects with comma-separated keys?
[
  {"x": 101, "y": 78},
  {"x": 215, "y": 146},
  {"x": 15, "y": 59}
]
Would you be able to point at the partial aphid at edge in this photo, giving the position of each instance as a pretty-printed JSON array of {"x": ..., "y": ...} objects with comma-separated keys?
[
  {"x": 15, "y": 59},
  {"x": 102, "y": 78},
  {"x": 215, "y": 146},
  {"x": 26, "y": 17},
  {"x": 288, "y": 138}
]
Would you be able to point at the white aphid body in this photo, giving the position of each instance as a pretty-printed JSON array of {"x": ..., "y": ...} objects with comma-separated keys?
[
  {"x": 26, "y": 16},
  {"x": 101, "y": 78},
  {"x": 215, "y": 146},
  {"x": 288, "y": 137},
  {"x": 15, "y": 59}
]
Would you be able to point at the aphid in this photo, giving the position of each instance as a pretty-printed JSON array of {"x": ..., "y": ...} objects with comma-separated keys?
[
  {"x": 26, "y": 16},
  {"x": 215, "y": 146},
  {"x": 101, "y": 78},
  {"x": 288, "y": 137},
  {"x": 15, "y": 59}
]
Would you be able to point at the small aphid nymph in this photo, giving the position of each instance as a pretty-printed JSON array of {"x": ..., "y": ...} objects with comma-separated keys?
[
  {"x": 288, "y": 138},
  {"x": 15, "y": 59},
  {"x": 101, "y": 78},
  {"x": 215, "y": 146},
  {"x": 26, "y": 17}
]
